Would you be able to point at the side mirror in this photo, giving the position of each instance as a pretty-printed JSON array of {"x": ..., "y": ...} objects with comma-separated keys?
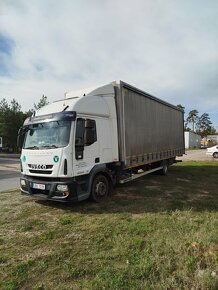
[{"x": 21, "y": 136}]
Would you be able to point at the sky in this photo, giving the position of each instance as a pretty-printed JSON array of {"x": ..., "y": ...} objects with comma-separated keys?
[{"x": 168, "y": 48}]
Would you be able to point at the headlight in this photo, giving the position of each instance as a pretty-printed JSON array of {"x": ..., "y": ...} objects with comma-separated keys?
[{"x": 62, "y": 187}]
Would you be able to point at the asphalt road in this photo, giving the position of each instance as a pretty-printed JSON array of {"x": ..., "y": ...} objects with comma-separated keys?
[{"x": 9, "y": 174}]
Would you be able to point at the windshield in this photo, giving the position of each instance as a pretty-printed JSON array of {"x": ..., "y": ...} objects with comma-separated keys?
[{"x": 48, "y": 135}]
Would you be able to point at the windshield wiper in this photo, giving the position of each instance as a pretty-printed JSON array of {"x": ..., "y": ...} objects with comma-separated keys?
[
  {"x": 49, "y": 146},
  {"x": 32, "y": 147}
]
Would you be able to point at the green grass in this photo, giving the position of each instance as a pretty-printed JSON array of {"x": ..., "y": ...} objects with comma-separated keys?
[{"x": 155, "y": 233}]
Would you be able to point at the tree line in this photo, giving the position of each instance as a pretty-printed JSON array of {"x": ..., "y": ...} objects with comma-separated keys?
[
  {"x": 200, "y": 124},
  {"x": 12, "y": 118}
]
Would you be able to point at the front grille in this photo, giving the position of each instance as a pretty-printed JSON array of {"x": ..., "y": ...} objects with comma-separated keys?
[
  {"x": 40, "y": 166},
  {"x": 40, "y": 171}
]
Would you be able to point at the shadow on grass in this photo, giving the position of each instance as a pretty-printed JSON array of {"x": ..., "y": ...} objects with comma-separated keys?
[{"x": 186, "y": 187}]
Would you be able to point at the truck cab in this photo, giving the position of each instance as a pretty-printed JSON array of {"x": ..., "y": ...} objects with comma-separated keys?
[{"x": 69, "y": 144}]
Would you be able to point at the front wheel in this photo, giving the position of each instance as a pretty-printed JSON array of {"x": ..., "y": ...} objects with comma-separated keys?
[
  {"x": 215, "y": 154},
  {"x": 100, "y": 188}
]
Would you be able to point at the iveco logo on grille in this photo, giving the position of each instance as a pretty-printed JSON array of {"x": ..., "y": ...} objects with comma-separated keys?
[{"x": 37, "y": 166}]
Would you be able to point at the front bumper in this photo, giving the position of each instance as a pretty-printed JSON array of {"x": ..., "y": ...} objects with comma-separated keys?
[{"x": 50, "y": 191}]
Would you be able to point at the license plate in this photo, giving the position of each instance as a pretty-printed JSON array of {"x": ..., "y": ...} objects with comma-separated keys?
[{"x": 38, "y": 186}]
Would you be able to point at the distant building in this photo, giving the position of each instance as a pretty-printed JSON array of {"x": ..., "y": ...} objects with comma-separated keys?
[
  {"x": 192, "y": 140},
  {"x": 213, "y": 138}
]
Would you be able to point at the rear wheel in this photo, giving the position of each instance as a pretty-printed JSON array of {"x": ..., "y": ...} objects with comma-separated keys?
[
  {"x": 164, "y": 170},
  {"x": 100, "y": 188},
  {"x": 215, "y": 154}
]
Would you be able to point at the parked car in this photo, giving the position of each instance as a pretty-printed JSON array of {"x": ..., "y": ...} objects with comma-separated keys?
[
  {"x": 203, "y": 147},
  {"x": 213, "y": 151}
]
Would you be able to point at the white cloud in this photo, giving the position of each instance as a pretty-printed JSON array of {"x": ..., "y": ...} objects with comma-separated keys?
[{"x": 168, "y": 48}]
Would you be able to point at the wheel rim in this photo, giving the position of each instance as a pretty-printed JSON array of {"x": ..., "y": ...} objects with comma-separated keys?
[
  {"x": 100, "y": 188},
  {"x": 215, "y": 155}
]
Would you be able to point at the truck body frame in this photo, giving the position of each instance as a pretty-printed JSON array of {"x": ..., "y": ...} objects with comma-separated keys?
[{"x": 81, "y": 146}]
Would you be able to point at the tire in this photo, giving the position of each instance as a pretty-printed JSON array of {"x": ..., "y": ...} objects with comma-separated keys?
[
  {"x": 164, "y": 170},
  {"x": 100, "y": 188},
  {"x": 215, "y": 154}
]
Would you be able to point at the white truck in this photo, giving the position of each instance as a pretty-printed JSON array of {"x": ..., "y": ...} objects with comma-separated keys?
[{"x": 79, "y": 147}]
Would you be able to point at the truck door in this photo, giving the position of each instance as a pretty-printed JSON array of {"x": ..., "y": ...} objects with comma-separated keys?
[{"x": 86, "y": 150}]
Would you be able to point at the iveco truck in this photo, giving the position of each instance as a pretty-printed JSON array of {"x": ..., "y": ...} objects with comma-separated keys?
[{"x": 81, "y": 146}]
